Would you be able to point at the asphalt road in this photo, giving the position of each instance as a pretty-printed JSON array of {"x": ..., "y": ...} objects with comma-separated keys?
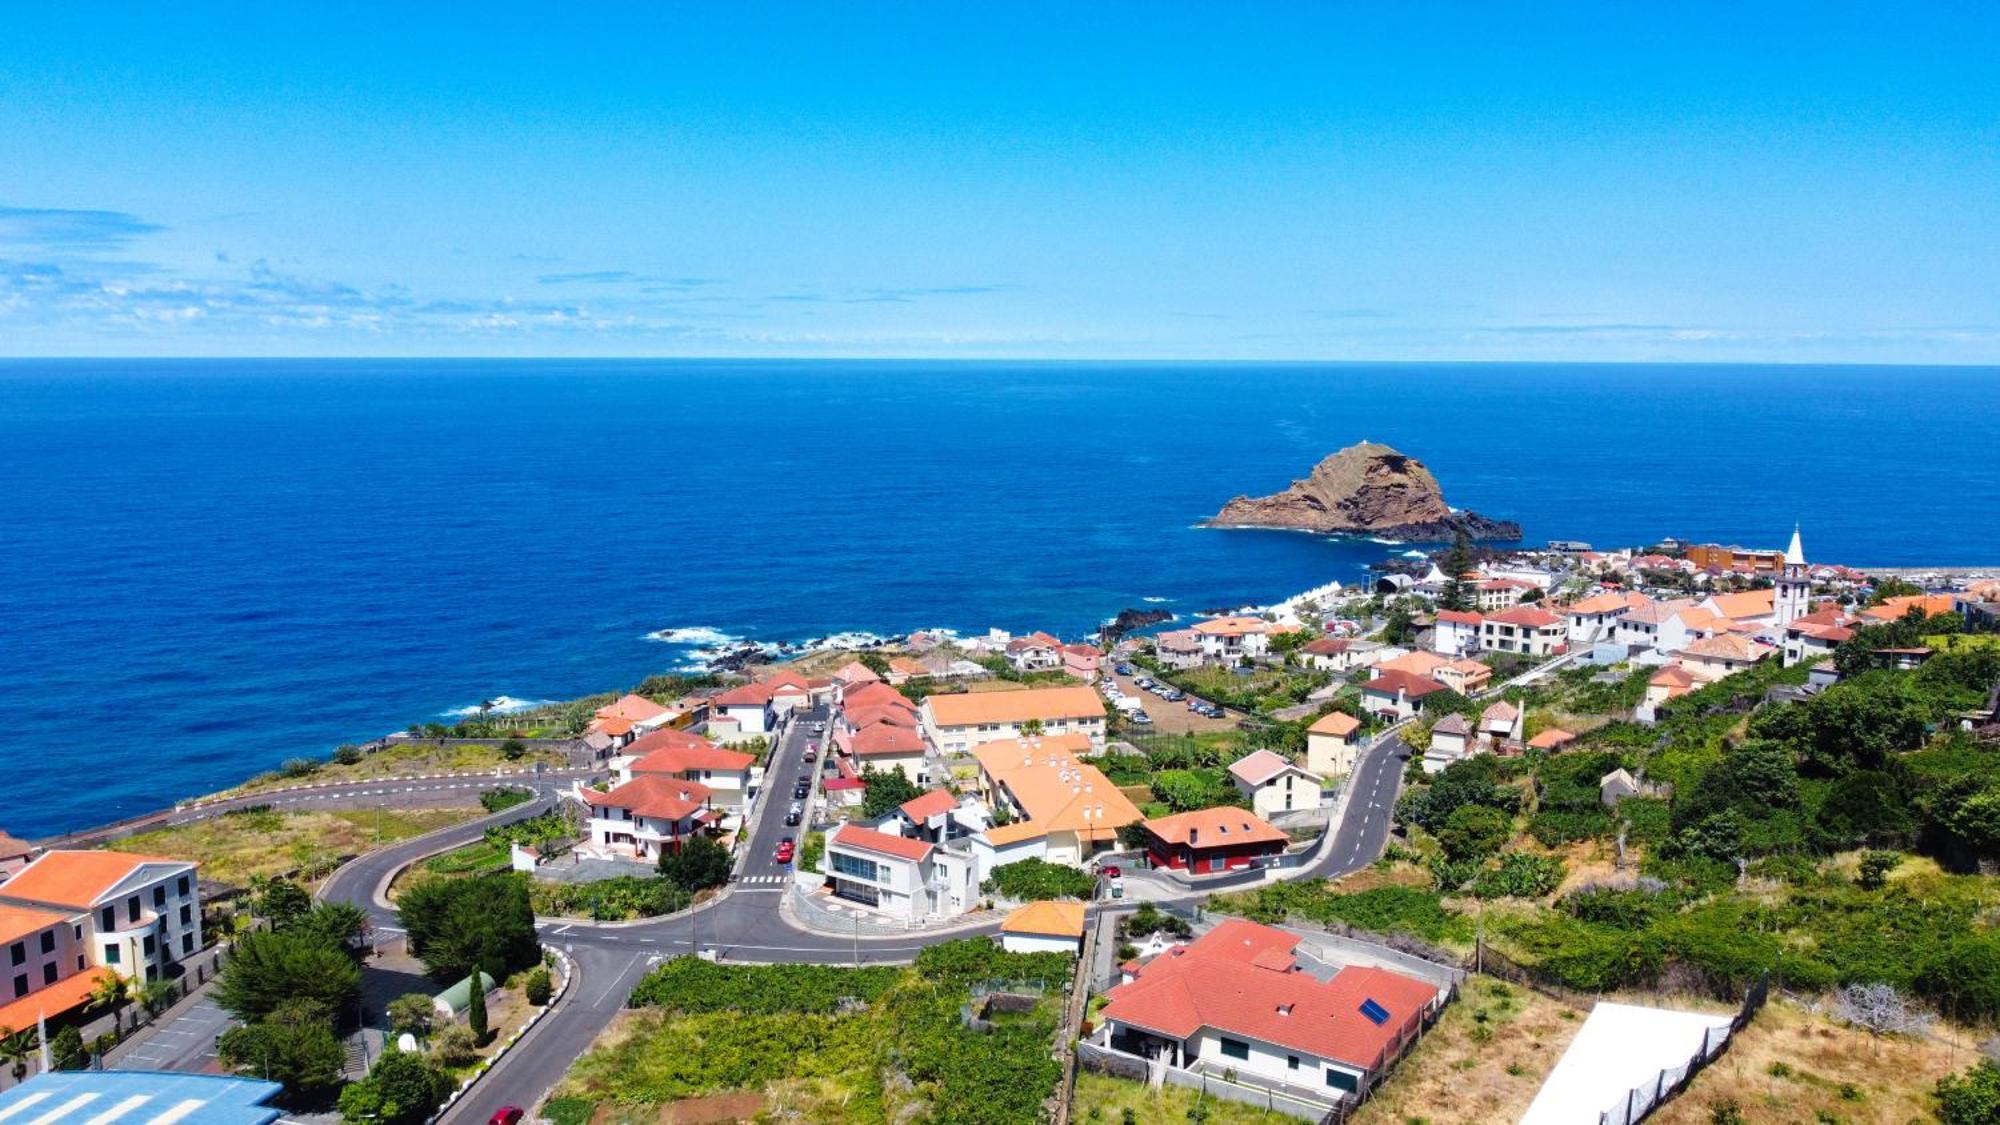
[
  {"x": 760, "y": 872},
  {"x": 745, "y": 923}
]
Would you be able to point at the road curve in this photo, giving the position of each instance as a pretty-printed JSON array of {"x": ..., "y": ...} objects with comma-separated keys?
[{"x": 743, "y": 924}]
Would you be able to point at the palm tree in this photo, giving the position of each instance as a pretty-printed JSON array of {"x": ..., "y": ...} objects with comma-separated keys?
[
  {"x": 16, "y": 1048},
  {"x": 156, "y": 995},
  {"x": 111, "y": 992}
]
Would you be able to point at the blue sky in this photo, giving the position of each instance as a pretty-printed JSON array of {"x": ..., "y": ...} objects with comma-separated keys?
[{"x": 1813, "y": 182}]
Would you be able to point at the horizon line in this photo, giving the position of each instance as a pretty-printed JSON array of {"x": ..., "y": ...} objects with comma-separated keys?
[{"x": 1993, "y": 365}]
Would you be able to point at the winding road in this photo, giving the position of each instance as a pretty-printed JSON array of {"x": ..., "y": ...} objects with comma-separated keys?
[{"x": 745, "y": 924}]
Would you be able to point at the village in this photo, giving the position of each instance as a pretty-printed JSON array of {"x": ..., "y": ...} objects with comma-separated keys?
[{"x": 1189, "y": 816}]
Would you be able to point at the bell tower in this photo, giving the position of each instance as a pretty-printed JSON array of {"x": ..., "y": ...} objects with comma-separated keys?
[{"x": 1792, "y": 597}]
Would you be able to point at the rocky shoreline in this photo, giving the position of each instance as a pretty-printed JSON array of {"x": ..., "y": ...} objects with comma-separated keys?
[{"x": 1366, "y": 489}]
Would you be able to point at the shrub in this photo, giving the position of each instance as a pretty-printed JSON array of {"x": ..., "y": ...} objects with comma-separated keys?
[
  {"x": 538, "y": 988},
  {"x": 454, "y": 1045},
  {"x": 403, "y": 1088},
  {"x": 411, "y": 1012},
  {"x": 690, "y": 984},
  {"x": 496, "y": 800},
  {"x": 1040, "y": 879},
  {"x": 1519, "y": 875},
  {"x": 1972, "y": 1098},
  {"x": 347, "y": 754},
  {"x": 298, "y": 767},
  {"x": 698, "y": 864},
  {"x": 513, "y": 750}
]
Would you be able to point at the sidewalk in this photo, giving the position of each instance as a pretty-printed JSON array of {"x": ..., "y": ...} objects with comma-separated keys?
[{"x": 840, "y": 920}]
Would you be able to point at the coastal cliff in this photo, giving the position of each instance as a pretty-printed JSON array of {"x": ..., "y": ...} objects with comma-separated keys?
[{"x": 1365, "y": 489}]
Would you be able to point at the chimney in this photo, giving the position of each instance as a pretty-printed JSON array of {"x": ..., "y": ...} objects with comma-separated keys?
[{"x": 1194, "y": 836}]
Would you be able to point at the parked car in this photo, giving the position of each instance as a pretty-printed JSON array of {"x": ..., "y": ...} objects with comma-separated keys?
[
  {"x": 792, "y": 819},
  {"x": 507, "y": 1115},
  {"x": 786, "y": 850},
  {"x": 1141, "y": 718},
  {"x": 811, "y": 754},
  {"x": 1124, "y": 669}
]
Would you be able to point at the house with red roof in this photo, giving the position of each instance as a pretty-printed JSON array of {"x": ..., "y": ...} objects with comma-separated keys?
[
  {"x": 1398, "y": 695},
  {"x": 14, "y": 854},
  {"x": 651, "y": 814},
  {"x": 684, "y": 756},
  {"x": 1595, "y": 618},
  {"x": 906, "y": 879},
  {"x": 1529, "y": 630},
  {"x": 929, "y": 817},
  {"x": 1338, "y": 654},
  {"x": 1082, "y": 661},
  {"x": 1036, "y": 652},
  {"x": 1237, "y": 1000},
  {"x": 1500, "y": 593},
  {"x": 1205, "y": 841},
  {"x": 1332, "y": 744}
]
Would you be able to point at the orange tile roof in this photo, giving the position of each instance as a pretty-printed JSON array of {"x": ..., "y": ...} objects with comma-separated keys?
[
  {"x": 1748, "y": 603},
  {"x": 937, "y": 802},
  {"x": 615, "y": 727},
  {"x": 1260, "y": 766},
  {"x": 875, "y": 694},
  {"x": 1419, "y": 663},
  {"x": 1526, "y": 616},
  {"x": 1671, "y": 675},
  {"x": 1727, "y": 646},
  {"x": 1551, "y": 738},
  {"x": 887, "y": 740},
  {"x": 698, "y": 754},
  {"x": 1237, "y": 626},
  {"x": 76, "y": 878},
  {"x": 1894, "y": 608},
  {"x": 1459, "y": 616},
  {"x": 1389, "y": 683},
  {"x": 1600, "y": 603},
  {"x": 17, "y": 922},
  {"x": 663, "y": 798},
  {"x": 854, "y": 672},
  {"x": 1326, "y": 646},
  {"x": 755, "y": 694},
  {"x": 1237, "y": 981},
  {"x": 869, "y": 714},
  {"x": 881, "y": 843},
  {"x": 1057, "y": 792},
  {"x": 974, "y": 708},
  {"x": 63, "y": 996},
  {"x": 1055, "y": 919},
  {"x": 632, "y": 708},
  {"x": 1338, "y": 723},
  {"x": 1215, "y": 828}
]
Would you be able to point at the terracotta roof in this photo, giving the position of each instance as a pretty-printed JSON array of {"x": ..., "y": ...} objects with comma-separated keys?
[
  {"x": 1056, "y": 791},
  {"x": 17, "y": 922},
  {"x": 1894, "y": 608},
  {"x": 1260, "y": 766},
  {"x": 1459, "y": 616},
  {"x": 1748, "y": 603},
  {"x": 875, "y": 695},
  {"x": 688, "y": 752},
  {"x": 1656, "y": 613},
  {"x": 1500, "y": 712},
  {"x": 1216, "y": 828},
  {"x": 1671, "y": 675},
  {"x": 937, "y": 802},
  {"x": 1727, "y": 646},
  {"x": 1055, "y": 919},
  {"x": 1551, "y": 738},
  {"x": 976, "y": 707},
  {"x": 1033, "y": 641},
  {"x": 1416, "y": 687},
  {"x": 871, "y": 713},
  {"x": 53, "y": 1000},
  {"x": 1241, "y": 984},
  {"x": 887, "y": 740},
  {"x": 881, "y": 843},
  {"x": 1326, "y": 646},
  {"x": 1600, "y": 603},
  {"x": 632, "y": 709},
  {"x": 755, "y": 694},
  {"x": 1507, "y": 584},
  {"x": 1338, "y": 723},
  {"x": 855, "y": 672},
  {"x": 663, "y": 798},
  {"x": 1418, "y": 663},
  {"x": 904, "y": 666},
  {"x": 1237, "y": 626},
  {"x": 77, "y": 878},
  {"x": 1526, "y": 616},
  {"x": 1176, "y": 640},
  {"x": 617, "y": 728},
  {"x": 1452, "y": 724}
]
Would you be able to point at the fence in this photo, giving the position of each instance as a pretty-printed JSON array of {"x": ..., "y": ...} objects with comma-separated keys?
[
  {"x": 1642, "y": 1100},
  {"x": 1119, "y": 1064}
]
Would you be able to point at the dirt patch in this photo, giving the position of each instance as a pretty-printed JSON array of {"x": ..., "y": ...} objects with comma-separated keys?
[
  {"x": 1791, "y": 1064},
  {"x": 1171, "y": 718},
  {"x": 1483, "y": 1061},
  {"x": 1377, "y": 875},
  {"x": 716, "y": 1109}
]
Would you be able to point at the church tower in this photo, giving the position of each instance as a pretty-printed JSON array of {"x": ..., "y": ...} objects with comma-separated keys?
[{"x": 1793, "y": 595}]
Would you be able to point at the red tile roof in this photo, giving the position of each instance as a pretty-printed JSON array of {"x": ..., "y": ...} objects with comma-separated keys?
[
  {"x": 1215, "y": 828},
  {"x": 1337, "y": 723},
  {"x": 875, "y": 695},
  {"x": 881, "y": 843},
  {"x": 64, "y": 995},
  {"x": 695, "y": 753},
  {"x": 662, "y": 798},
  {"x": 937, "y": 802},
  {"x": 887, "y": 739},
  {"x": 869, "y": 714},
  {"x": 79, "y": 878},
  {"x": 1325, "y": 646},
  {"x": 1526, "y": 616},
  {"x": 1259, "y": 766},
  {"x": 1459, "y": 616},
  {"x": 632, "y": 709},
  {"x": 1242, "y": 983},
  {"x": 1414, "y": 686}
]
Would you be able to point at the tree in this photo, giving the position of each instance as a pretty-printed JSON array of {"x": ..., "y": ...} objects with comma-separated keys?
[
  {"x": 886, "y": 790},
  {"x": 1473, "y": 832},
  {"x": 455, "y": 925},
  {"x": 1879, "y": 1009},
  {"x": 1972, "y": 1098},
  {"x": 111, "y": 991},
  {"x": 1893, "y": 587},
  {"x": 338, "y": 924},
  {"x": 875, "y": 662},
  {"x": 1875, "y": 869},
  {"x": 1031, "y": 729},
  {"x": 411, "y": 1012},
  {"x": 1457, "y": 591},
  {"x": 475, "y": 1006},
  {"x": 281, "y": 902},
  {"x": 271, "y": 969},
  {"x": 454, "y": 1046},
  {"x": 698, "y": 864},
  {"x": 1399, "y": 626},
  {"x": 404, "y": 1088},
  {"x": 67, "y": 1050},
  {"x": 513, "y": 750},
  {"x": 295, "y": 1047},
  {"x": 1134, "y": 837},
  {"x": 538, "y": 989},
  {"x": 16, "y": 1048}
]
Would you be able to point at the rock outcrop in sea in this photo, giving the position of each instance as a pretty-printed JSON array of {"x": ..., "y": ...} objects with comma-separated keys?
[{"x": 1365, "y": 489}]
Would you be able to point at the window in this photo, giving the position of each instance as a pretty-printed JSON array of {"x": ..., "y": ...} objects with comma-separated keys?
[
  {"x": 110, "y": 919},
  {"x": 844, "y": 864},
  {"x": 79, "y": 962},
  {"x": 1341, "y": 1080},
  {"x": 1235, "y": 1048},
  {"x": 187, "y": 943},
  {"x": 49, "y": 973},
  {"x": 150, "y": 945},
  {"x": 183, "y": 886},
  {"x": 132, "y": 909},
  {"x": 18, "y": 953},
  {"x": 1291, "y": 1062},
  {"x": 21, "y": 985},
  {"x": 111, "y": 955},
  {"x": 48, "y": 941},
  {"x": 187, "y": 915},
  {"x": 159, "y": 896}
]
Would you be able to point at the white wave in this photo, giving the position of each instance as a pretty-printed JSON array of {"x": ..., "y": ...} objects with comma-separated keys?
[
  {"x": 692, "y": 635},
  {"x": 1385, "y": 542},
  {"x": 1415, "y": 555},
  {"x": 499, "y": 705},
  {"x": 1156, "y": 601}
]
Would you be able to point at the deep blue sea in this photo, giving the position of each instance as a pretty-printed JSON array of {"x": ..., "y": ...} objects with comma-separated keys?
[{"x": 211, "y": 566}]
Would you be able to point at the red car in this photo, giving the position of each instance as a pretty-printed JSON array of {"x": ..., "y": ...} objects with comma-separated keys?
[
  {"x": 506, "y": 1115},
  {"x": 786, "y": 849}
]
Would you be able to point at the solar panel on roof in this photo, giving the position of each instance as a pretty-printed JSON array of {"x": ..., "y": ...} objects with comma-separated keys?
[{"x": 1376, "y": 1013}]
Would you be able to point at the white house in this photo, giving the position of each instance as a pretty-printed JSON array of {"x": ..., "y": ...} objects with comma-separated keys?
[
  {"x": 1044, "y": 927},
  {"x": 71, "y": 911},
  {"x": 646, "y": 816},
  {"x": 906, "y": 879},
  {"x": 678, "y": 755},
  {"x": 1332, "y": 743},
  {"x": 1661, "y": 626},
  {"x": 1235, "y": 999},
  {"x": 1229, "y": 639},
  {"x": 1456, "y": 633},
  {"x": 1451, "y": 740},
  {"x": 1397, "y": 695},
  {"x": 1525, "y": 629},
  {"x": 958, "y": 723},
  {"x": 1273, "y": 784},
  {"x": 1036, "y": 652},
  {"x": 1595, "y": 618}
]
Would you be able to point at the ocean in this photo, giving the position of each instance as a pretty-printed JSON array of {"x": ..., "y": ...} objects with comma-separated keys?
[{"x": 209, "y": 567}]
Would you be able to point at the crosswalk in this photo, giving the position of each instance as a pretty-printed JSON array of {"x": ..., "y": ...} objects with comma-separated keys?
[{"x": 763, "y": 879}]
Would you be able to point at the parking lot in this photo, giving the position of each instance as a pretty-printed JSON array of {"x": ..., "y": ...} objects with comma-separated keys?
[{"x": 1170, "y": 718}]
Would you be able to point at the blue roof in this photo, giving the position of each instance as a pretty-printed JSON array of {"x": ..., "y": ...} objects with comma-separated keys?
[{"x": 138, "y": 1097}]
